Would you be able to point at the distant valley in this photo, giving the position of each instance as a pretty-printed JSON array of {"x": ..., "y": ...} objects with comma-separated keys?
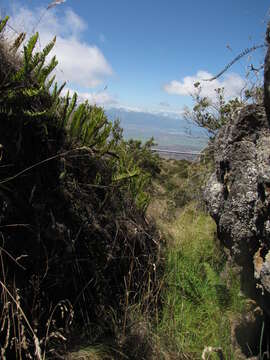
[{"x": 169, "y": 130}]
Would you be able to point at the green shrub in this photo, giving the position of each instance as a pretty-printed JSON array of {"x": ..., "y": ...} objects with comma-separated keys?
[{"x": 72, "y": 212}]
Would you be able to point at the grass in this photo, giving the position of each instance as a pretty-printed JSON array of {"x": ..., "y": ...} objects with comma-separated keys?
[
  {"x": 200, "y": 297},
  {"x": 91, "y": 353}
]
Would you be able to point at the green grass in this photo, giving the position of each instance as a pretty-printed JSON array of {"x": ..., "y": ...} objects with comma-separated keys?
[
  {"x": 200, "y": 296},
  {"x": 197, "y": 303}
]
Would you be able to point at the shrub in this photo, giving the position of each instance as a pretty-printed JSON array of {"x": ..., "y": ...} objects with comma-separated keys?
[{"x": 72, "y": 200}]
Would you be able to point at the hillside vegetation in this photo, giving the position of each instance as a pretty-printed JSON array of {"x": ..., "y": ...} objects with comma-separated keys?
[
  {"x": 76, "y": 249},
  {"x": 201, "y": 295},
  {"x": 107, "y": 251}
]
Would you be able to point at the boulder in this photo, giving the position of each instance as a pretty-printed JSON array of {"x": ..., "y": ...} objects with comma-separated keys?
[{"x": 238, "y": 197}]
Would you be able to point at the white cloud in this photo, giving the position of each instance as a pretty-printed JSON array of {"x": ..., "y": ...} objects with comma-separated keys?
[
  {"x": 75, "y": 21},
  {"x": 100, "y": 98},
  {"x": 82, "y": 64},
  {"x": 232, "y": 83}
]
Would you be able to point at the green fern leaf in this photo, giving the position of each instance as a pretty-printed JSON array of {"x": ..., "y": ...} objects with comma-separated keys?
[
  {"x": 60, "y": 89},
  {"x": 45, "y": 71},
  {"x": 65, "y": 109},
  {"x": 28, "y": 92},
  {"x": 34, "y": 114},
  {"x": 3, "y": 23},
  {"x": 50, "y": 82},
  {"x": 77, "y": 119},
  {"x": 31, "y": 45},
  {"x": 54, "y": 91},
  {"x": 125, "y": 176},
  {"x": 48, "y": 48},
  {"x": 70, "y": 109}
]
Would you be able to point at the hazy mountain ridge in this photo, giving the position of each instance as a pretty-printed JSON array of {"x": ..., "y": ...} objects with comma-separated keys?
[{"x": 168, "y": 129}]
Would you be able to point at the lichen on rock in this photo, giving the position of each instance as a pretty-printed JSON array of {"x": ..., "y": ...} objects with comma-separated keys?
[{"x": 238, "y": 195}]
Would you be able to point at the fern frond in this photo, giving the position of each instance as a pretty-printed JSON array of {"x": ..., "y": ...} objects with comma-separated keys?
[
  {"x": 42, "y": 57},
  {"x": 45, "y": 71},
  {"x": 28, "y": 53},
  {"x": 71, "y": 108},
  {"x": 54, "y": 91},
  {"x": 65, "y": 109},
  {"x": 34, "y": 114},
  {"x": 50, "y": 82},
  {"x": 77, "y": 119},
  {"x": 99, "y": 138},
  {"x": 60, "y": 89},
  {"x": 25, "y": 62},
  {"x": 36, "y": 60},
  {"x": 127, "y": 175},
  {"x": 30, "y": 92},
  {"x": 3, "y": 23},
  {"x": 31, "y": 45},
  {"x": 39, "y": 66},
  {"x": 48, "y": 48}
]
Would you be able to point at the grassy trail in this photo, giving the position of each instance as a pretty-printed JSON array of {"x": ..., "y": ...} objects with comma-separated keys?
[{"x": 199, "y": 295}]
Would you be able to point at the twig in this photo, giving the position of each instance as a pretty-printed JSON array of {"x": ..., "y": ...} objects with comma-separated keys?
[
  {"x": 9, "y": 255},
  {"x": 41, "y": 163},
  {"x": 14, "y": 225},
  {"x": 36, "y": 340},
  {"x": 238, "y": 57}
]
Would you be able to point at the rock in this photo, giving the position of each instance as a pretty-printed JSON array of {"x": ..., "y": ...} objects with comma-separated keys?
[
  {"x": 238, "y": 197},
  {"x": 267, "y": 74},
  {"x": 245, "y": 332}
]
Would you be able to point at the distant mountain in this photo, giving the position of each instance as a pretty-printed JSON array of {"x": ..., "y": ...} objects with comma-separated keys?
[{"x": 169, "y": 130}]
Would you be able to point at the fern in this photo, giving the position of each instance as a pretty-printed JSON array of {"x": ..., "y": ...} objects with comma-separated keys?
[
  {"x": 64, "y": 109},
  {"x": 28, "y": 53},
  {"x": 50, "y": 82},
  {"x": 75, "y": 127},
  {"x": 26, "y": 98},
  {"x": 125, "y": 176},
  {"x": 3, "y": 23},
  {"x": 30, "y": 92},
  {"x": 48, "y": 48},
  {"x": 45, "y": 71},
  {"x": 56, "y": 92},
  {"x": 31, "y": 45},
  {"x": 35, "y": 114},
  {"x": 70, "y": 109},
  {"x": 41, "y": 57}
]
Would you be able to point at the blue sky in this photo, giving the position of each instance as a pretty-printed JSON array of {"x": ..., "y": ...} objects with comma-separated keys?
[{"x": 145, "y": 54}]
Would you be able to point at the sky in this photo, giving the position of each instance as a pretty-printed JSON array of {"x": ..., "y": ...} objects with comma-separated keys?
[{"x": 145, "y": 55}]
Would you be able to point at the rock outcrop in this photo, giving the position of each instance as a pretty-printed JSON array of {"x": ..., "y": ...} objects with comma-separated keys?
[
  {"x": 238, "y": 196},
  {"x": 238, "y": 193}
]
